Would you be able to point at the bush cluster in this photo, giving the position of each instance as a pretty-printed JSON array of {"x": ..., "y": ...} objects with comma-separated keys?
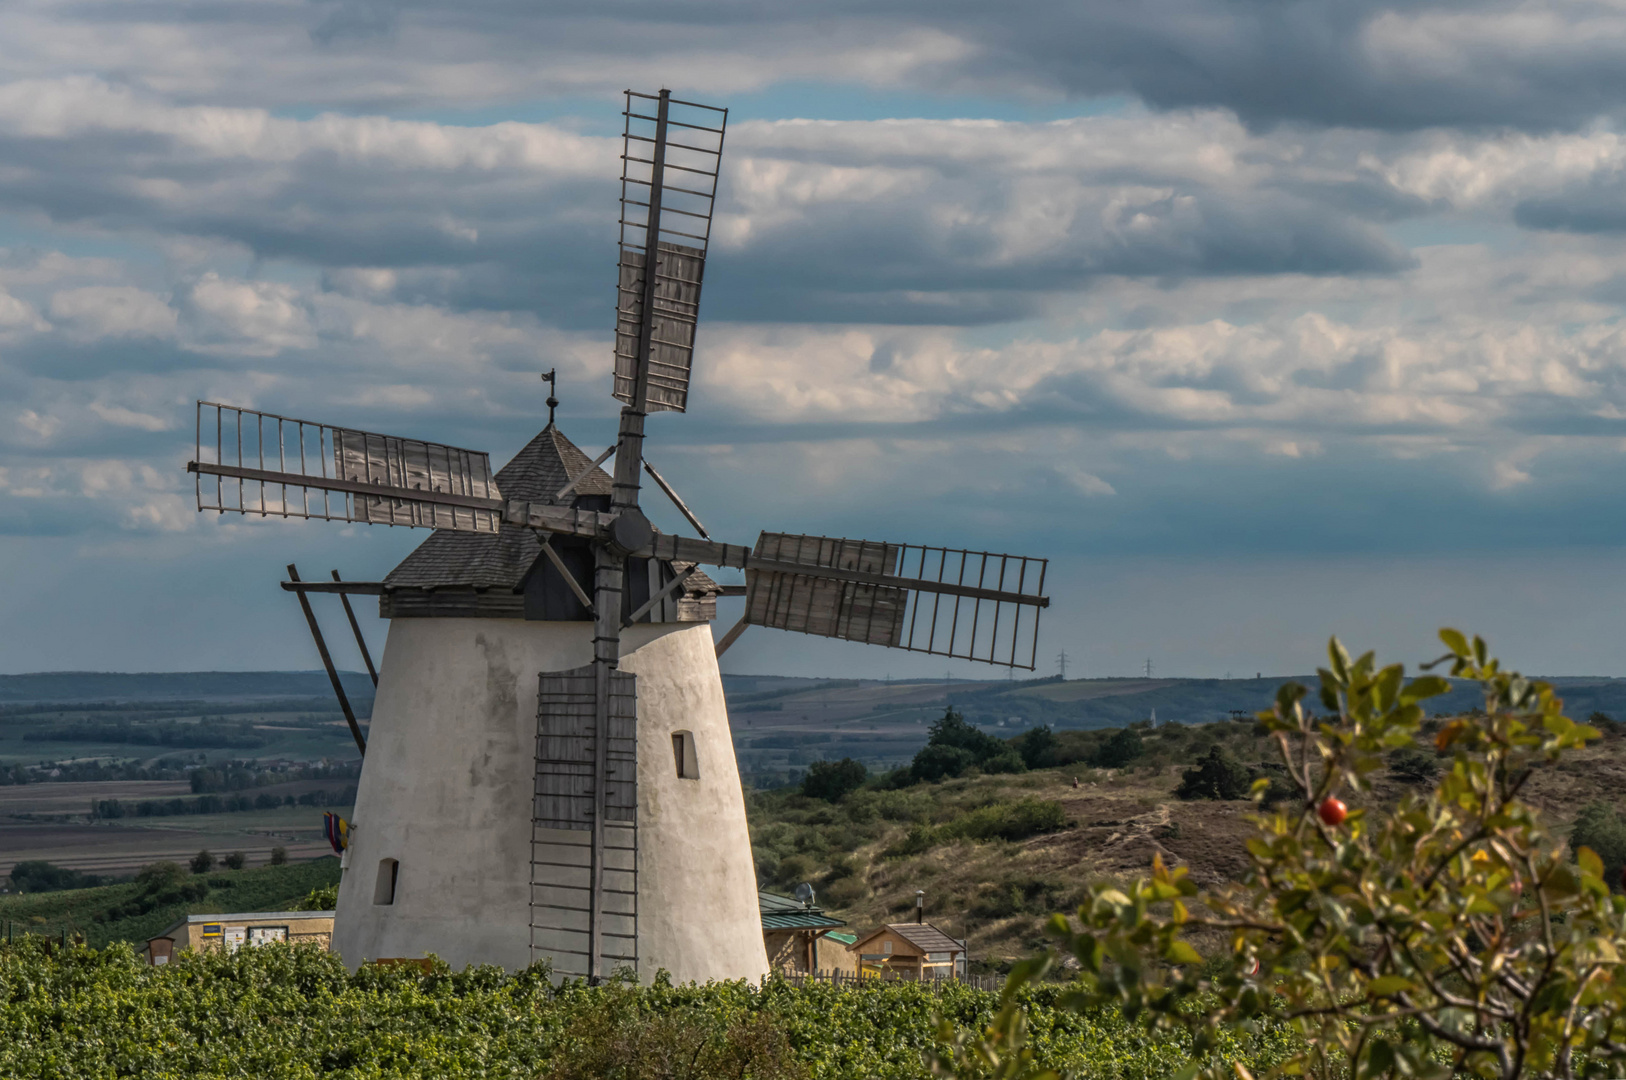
[{"x": 279, "y": 1010}]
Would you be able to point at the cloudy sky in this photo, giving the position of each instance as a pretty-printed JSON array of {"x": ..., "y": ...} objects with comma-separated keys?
[{"x": 1263, "y": 321}]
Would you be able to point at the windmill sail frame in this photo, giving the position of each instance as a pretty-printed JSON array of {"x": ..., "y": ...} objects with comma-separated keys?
[
  {"x": 956, "y": 602},
  {"x": 279, "y": 466},
  {"x": 673, "y": 217}
]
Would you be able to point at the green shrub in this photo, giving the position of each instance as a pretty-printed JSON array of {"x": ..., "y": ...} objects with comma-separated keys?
[
  {"x": 1006, "y": 761},
  {"x": 833, "y": 781},
  {"x": 1449, "y": 936},
  {"x": 1217, "y": 776},
  {"x": 325, "y": 898},
  {"x": 38, "y": 875},
  {"x": 1008, "y": 821},
  {"x": 1121, "y": 747},
  {"x": 1037, "y": 746},
  {"x": 1602, "y": 829},
  {"x": 935, "y": 763}
]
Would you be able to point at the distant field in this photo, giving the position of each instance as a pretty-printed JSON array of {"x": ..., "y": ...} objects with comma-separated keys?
[
  {"x": 75, "y": 798},
  {"x": 108, "y": 849}
]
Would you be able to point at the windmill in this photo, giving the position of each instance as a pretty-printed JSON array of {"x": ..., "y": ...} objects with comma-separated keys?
[{"x": 547, "y": 642}]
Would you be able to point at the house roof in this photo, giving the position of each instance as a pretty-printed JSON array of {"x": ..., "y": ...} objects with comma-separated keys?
[
  {"x": 784, "y": 913},
  {"x": 923, "y": 936},
  {"x": 500, "y": 561},
  {"x": 236, "y": 917}
]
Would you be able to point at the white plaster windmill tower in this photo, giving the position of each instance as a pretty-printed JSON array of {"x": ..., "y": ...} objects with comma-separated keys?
[{"x": 549, "y": 772}]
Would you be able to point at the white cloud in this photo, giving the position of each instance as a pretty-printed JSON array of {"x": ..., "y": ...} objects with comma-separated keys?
[
  {"x": 96, "y": 311},
  {"x": 122, "y": 417},
  {"x": 244, "y": 318},
  {"x": 1085, "y": 483}
]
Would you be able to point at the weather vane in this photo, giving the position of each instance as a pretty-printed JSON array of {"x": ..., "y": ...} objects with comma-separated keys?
[{"x": 551, "y": 377}]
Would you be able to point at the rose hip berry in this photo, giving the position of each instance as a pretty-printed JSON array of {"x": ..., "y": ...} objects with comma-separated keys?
[{"x": 1332, "y": 811}]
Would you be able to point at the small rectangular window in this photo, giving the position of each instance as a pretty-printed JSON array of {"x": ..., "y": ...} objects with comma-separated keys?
[
  {"x": 684, "y": 756},
  {"x": 384, "y": 887}
]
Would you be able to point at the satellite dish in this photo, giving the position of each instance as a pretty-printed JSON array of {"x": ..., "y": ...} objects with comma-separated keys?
[{"x": 804, "y": 893}]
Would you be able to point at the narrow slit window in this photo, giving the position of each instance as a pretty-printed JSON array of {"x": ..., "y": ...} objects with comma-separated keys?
[
  {"x": 684, "y": 757},
  {"x": 384, "y": 888}
]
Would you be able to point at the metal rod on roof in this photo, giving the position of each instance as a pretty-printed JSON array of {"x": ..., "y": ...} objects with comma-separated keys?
[
  {"x": 355, "y": 627},
  {"x": 585, "y": 473},
  {"x": 327, "y": 662}
]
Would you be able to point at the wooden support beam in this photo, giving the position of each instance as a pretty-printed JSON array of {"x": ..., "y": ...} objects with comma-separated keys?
[
  {"x": 666, "y": 590},
  {"x": 585, "y": 473},
  {"x": 683, "y": 507},
  {"x": 361, "y": 588},
  {"x": 327, "y": 662},
  {"x": 355, "y": 628},
  {"x": 564, "y": 572},
  {"x": 732, "y": 636}
]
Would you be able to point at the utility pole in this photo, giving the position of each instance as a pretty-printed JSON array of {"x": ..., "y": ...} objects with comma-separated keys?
[
  {"x": 1148, "y": 667},
  {"x": 1061, "y": 661}
]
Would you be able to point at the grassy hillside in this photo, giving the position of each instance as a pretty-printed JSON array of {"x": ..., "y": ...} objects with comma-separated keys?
[
  {"x": 867, "y": 853},
  {"x": 113, "y": 912}
]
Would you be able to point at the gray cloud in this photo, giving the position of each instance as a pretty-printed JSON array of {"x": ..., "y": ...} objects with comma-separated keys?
[{"x": 1357, "y": 63}]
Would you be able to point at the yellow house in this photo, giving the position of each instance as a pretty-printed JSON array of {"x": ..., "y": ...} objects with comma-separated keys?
[
  {"x": 231, "y": 932},
  {"x": 916, "y": 950}
]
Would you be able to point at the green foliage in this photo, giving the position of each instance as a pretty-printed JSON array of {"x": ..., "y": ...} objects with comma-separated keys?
[
  {"x": 953, "y": 747},
  {"x": 234, "y": 861},
  {"x": 38, "y": 875},
  {"x": 833, "y": 781},
  {"x": 1451, "y": 936},
  {"x": 1038, "y": 747},
  {"x": 994, "y": 821},
  {"x": 1217, "y": 776},
  {"x": 934, "y": 763},
  {"x": 952, "y": 730},
  {"x": 160, "y": 894},
  {"x": 1120, "y": 749},
  {"x": 325, "y": 898},
  {"x": 203, "y": 862},
  {"x": 281, "y": 1011},
  {"x": 1008, "y": 821},
  {"x": 279, "y": 856},
  {"x": 1601, "y": 828},
  {"x": 1605, "y": 723}
]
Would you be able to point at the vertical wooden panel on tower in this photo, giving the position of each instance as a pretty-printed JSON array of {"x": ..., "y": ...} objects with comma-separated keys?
[{"x": 569, "y": 893}]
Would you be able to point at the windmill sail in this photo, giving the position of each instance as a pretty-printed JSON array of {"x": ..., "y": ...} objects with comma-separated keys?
[
  {"x": 670, "y": 163},
  {"x": 972, "y": 605},
  {"x": 251, "y": 462},
  {"x": 856, "y": 611}
]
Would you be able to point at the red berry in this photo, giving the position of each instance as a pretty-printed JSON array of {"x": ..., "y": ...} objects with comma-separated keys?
[{"x": 1332, "y": 811}]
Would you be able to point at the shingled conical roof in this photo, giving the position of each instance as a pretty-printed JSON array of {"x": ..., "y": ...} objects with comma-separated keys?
[
  {"x": 495, "y": 566},
  {"x": 483, "y": 561}
]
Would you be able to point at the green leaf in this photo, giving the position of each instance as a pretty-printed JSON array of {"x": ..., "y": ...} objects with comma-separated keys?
[
  {"x": 1179, "y": 952},
  {"x": 1590, "y": 863},
  {"x": 1427, "y": 686},
  {"x": 1389, "y": 985},
  {"x": 1454, "y": 640}
]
